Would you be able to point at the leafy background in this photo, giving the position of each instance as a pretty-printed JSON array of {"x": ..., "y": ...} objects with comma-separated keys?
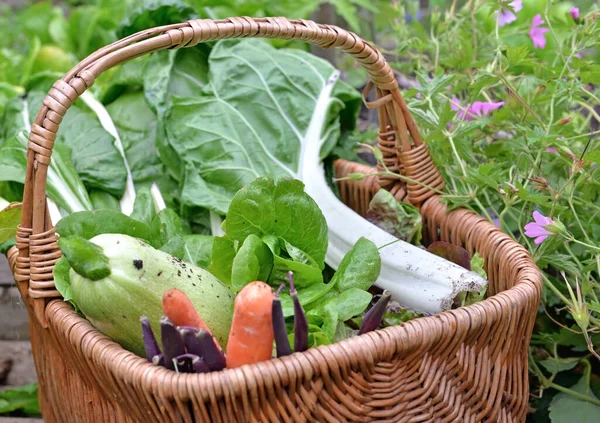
[{"x": 499, "y": 164}]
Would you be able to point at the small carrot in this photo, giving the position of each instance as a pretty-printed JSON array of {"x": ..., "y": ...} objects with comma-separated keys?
[
  {"x": 181, "y": 311},
  {"x": 251, "y": 336}
]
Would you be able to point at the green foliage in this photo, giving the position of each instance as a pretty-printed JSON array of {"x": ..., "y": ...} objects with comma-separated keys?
[{"x": 498, "y": 163}]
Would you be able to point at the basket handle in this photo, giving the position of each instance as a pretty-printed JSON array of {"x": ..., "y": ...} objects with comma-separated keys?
[{"x": 399, "y": 137}]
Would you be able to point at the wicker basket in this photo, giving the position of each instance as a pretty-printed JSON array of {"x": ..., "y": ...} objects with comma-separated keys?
[{"x": 464, "y": 365}]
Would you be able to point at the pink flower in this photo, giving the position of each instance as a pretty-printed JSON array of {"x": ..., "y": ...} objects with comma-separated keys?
[
  {"x": 507, "y": 15},
  {"x": 574, "y": 13},
  {"x": 552, "y": 150},
  {"x": 539, "y": 228},
  {"x": 536, "y": 33},
  {"x": 478, "y": 108}
]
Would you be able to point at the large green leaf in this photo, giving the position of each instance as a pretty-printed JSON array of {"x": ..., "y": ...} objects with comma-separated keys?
[
  {"x": 63, "y": 184},
  {"x": 182, "y": 72},
  {"x": 143, "y": 14},
  {"x": 136, "y": 124},
  {"x": 254, "y": 119},
  {"x": 93, "y": 153}
]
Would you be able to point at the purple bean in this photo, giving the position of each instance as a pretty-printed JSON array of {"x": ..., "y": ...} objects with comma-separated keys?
[
  {"x": 300, "y": 322},
  {"x": 200, "y": 366},
  {"x": 213, "y": 355},
  {"x": 192, "y": 345},
  {"x": 202, "y": 343},
  {"x": 281, "y": 337},
  {"x": 373, "y": 317},
  {"x": 150, "y": 344},
  {"x": 172, "y": 342}
]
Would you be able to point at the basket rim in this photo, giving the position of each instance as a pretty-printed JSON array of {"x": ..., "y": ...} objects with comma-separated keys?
[{"x": 527, "y": 286}]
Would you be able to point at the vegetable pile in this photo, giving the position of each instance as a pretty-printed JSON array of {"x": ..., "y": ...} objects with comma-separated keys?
[{"x": 117, "y": 270}]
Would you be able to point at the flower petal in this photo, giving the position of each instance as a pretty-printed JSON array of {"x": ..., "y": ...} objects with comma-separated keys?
[
  {"x": 540, "y": 239},
  {"x": 537, "y": 21},
  {"x": 533, "y": 230},
  {"x": 455, "y": 104},
  {"x": 540, "y": 219},
  {"x": 505, "y": 17},
  {"x": 517, "y": 5}
]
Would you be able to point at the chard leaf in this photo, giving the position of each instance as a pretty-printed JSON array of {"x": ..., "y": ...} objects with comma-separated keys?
[
  {"x": 136, "y": 125},
  {"x": 9, "y": 220},
  {"x": 169, "y": 73},
  {"x": 144, "y": 14},
  {"x": 103, "y": 200},
  {"x": 253, "y": 262},
  {"x": 280, "y": 208},
  {"x": 63, "y": 185},
  {"x": 399, "y": 219},
  {"x": 198, "y": 250},
  {"x": 93, "y": 152},
  {"x": 143, "y": 207},
  {"x": 253, "y": 119}
]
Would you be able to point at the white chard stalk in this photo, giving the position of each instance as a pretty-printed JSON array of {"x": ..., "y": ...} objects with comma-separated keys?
[{"x": 416, "y": 278}]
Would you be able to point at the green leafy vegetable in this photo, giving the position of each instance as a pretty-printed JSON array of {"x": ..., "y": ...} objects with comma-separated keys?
[
  {"x": 397, "y": 218},
  {"x": 84, "y": 257},
  {"x": 280, "y": 208},
  {"x": 198, "y": 250},
  {"x": 62, "y": 280},
  {"x": 9, "y": 220},
  {"x": 225, "y": 141},
  {"x": 253, "y": 262}
]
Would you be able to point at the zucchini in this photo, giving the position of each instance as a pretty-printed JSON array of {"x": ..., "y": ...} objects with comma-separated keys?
[{"x": 132, "y": 283}]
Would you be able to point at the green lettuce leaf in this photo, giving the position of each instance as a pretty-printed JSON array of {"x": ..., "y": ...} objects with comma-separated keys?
[
  {"x": 253, "y": 262},
  {"x": 281, "y": 208}
]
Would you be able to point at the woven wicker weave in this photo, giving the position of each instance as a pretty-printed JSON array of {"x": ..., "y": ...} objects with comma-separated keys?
[{"x": 464, "y": 365}]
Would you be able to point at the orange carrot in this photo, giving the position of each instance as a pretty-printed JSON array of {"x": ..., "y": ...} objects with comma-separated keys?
[
  {"x": 251, "y": 336},
  {"x": 180, "y": 310}
]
